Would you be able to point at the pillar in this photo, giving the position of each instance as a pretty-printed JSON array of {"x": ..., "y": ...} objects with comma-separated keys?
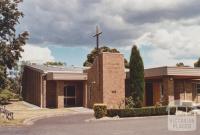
[
  {"x": 43, "y": 92},
  {"x": 60, "y": 94},
  {"x": 85, "y": 94},
  {"x": 168, "y": 86}
]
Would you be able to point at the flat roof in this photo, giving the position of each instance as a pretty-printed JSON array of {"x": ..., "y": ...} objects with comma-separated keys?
[
  {"x": 193, "y": 72},
  {"x": 60, "y": 72},
  {"x": 57, "y": 69},
  {"x": 173, "y": 71}
]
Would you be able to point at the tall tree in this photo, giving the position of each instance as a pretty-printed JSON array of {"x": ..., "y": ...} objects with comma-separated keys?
[
  {"x": 10, "y": 43},
  {"x": 136, "y": 77},
  {"x": 91, "y": 56},
  {"x": 197, "y": 64}
]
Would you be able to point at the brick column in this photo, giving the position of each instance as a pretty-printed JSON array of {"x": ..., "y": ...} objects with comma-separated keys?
[
  {"x": 112, "y": 79},
  {"x": 60, "y": 94},
  {"x": 85, "y": 94},
  {"x": 106, "y": 80},
  {"x": 168, "y": 85},
  {"x": 43, "y": 100}
]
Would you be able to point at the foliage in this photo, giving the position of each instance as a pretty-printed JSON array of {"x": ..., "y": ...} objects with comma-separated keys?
[
  {"x": 54, "y": 63},
  {"x": 5, "y": 96},
  {"x": 197, "y": 64},
  {"x": 15, "y": 85},
  {"x": 184, "y": 109},
  {"x": 136, "y": 77},
  {"x": 3, "y": 78},
  {"x": 139, "y": 112},
  {"x": 129, "y": 102},
  {"x": 180, "y": 64},
  {"x": 126, "y": 64},
  {"x": 100, "y": 110},
  {"x": 10, "y": 43},
  {"x": 92, "y": 55}
]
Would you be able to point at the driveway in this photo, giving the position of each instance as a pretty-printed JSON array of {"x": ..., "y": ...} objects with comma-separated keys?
[{"x": 77, "y": 125}]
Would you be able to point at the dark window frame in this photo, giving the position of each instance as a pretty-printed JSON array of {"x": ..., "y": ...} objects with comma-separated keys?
[{"x": 198, "y": 88}]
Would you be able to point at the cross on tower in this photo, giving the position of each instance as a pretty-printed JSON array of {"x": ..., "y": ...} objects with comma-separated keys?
[{"x": 97, "y": 37}]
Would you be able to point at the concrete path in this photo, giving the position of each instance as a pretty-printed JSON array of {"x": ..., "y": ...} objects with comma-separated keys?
[
  {"x": 77, "y": 125},
  {"x": 81, "y": 110}
]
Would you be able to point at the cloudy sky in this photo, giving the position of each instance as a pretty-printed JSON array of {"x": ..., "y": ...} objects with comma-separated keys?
[{"x": 166, "y": 31}]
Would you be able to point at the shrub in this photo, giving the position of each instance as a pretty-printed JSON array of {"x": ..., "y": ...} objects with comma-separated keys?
[
  {"x": 8, "y": 93},
  {"x": 3, "y": 99},
  {"x": 129, "y": 102},
  {"x": 100, "y": 110},
  {"x": 137, "y": 112},
  {"x": 5, "y": 96},
  {"x": 18, "y": 97},
  {"x": 184, "y": 109}
]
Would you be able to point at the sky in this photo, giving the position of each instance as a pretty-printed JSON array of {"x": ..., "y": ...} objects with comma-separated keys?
[{"x": 166, "y": 32}]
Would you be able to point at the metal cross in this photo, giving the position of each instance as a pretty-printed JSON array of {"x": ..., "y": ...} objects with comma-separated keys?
[{"x": 97, "y": 37}]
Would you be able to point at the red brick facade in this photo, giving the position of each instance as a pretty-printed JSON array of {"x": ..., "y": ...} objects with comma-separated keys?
[{"x": 106, "y": 80}]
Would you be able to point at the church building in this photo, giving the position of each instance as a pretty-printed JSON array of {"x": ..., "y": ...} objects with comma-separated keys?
[{"x": 107, "y": 81}]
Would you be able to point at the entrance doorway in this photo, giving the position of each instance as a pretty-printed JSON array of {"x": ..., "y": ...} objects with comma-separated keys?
[
  {"x": 69, "y": 96},
  {"x": 149, "y": 93}
]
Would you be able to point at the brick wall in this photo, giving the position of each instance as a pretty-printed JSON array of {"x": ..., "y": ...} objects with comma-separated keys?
[
  {"x": 51, "y": 93},
  {"x": 60, "y": 94},
  {"x": 109, "y": 76},
  {"x": 168, "y": 87},
  {"x": 94, "y": 93},
  {"x": 32, "y": 86}
]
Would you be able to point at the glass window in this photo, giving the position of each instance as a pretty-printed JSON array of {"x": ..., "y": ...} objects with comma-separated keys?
[
  {"x": 70, "y": 91},
  {"x": 198, "y": 88}
]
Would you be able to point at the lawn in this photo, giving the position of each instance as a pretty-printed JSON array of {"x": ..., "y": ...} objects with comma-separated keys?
[{"x": 23, "y": 112}]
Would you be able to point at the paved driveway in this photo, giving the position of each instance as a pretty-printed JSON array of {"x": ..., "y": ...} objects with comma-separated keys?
[{"x": 76, "y": 125}]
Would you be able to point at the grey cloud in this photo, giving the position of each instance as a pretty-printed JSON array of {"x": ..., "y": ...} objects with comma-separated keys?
[
  {"x": 72, "y": 23},
  {"x": 183, "y": 12}
]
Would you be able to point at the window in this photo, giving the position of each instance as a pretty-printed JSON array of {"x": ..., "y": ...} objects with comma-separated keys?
[
  {"x": 71, "y": 91},
  {"x": 69, "y": 96},
  {"x": 198, "y": 88}
]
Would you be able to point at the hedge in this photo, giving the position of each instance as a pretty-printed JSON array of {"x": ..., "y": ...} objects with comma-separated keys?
[
  {"x": 100, "y": 110},
  {"x": 138, "y": 112}
]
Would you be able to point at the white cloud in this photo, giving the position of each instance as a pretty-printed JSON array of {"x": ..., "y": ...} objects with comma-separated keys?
[
  {"x": 170, "y": 42},
  {"x": 161, "y": 57},
  {"x": 37, "y": 54}
]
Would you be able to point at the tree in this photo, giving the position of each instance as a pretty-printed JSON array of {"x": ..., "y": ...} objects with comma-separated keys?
[
  {"x": 180, "y": 64},
  {"x": 197, "y": 64},
  {"x": 10, "y": 43},
  {"x": 91, "y": 56},
  {"x": 54, "y": 63},
  {"x": 136, "y": 77}
]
